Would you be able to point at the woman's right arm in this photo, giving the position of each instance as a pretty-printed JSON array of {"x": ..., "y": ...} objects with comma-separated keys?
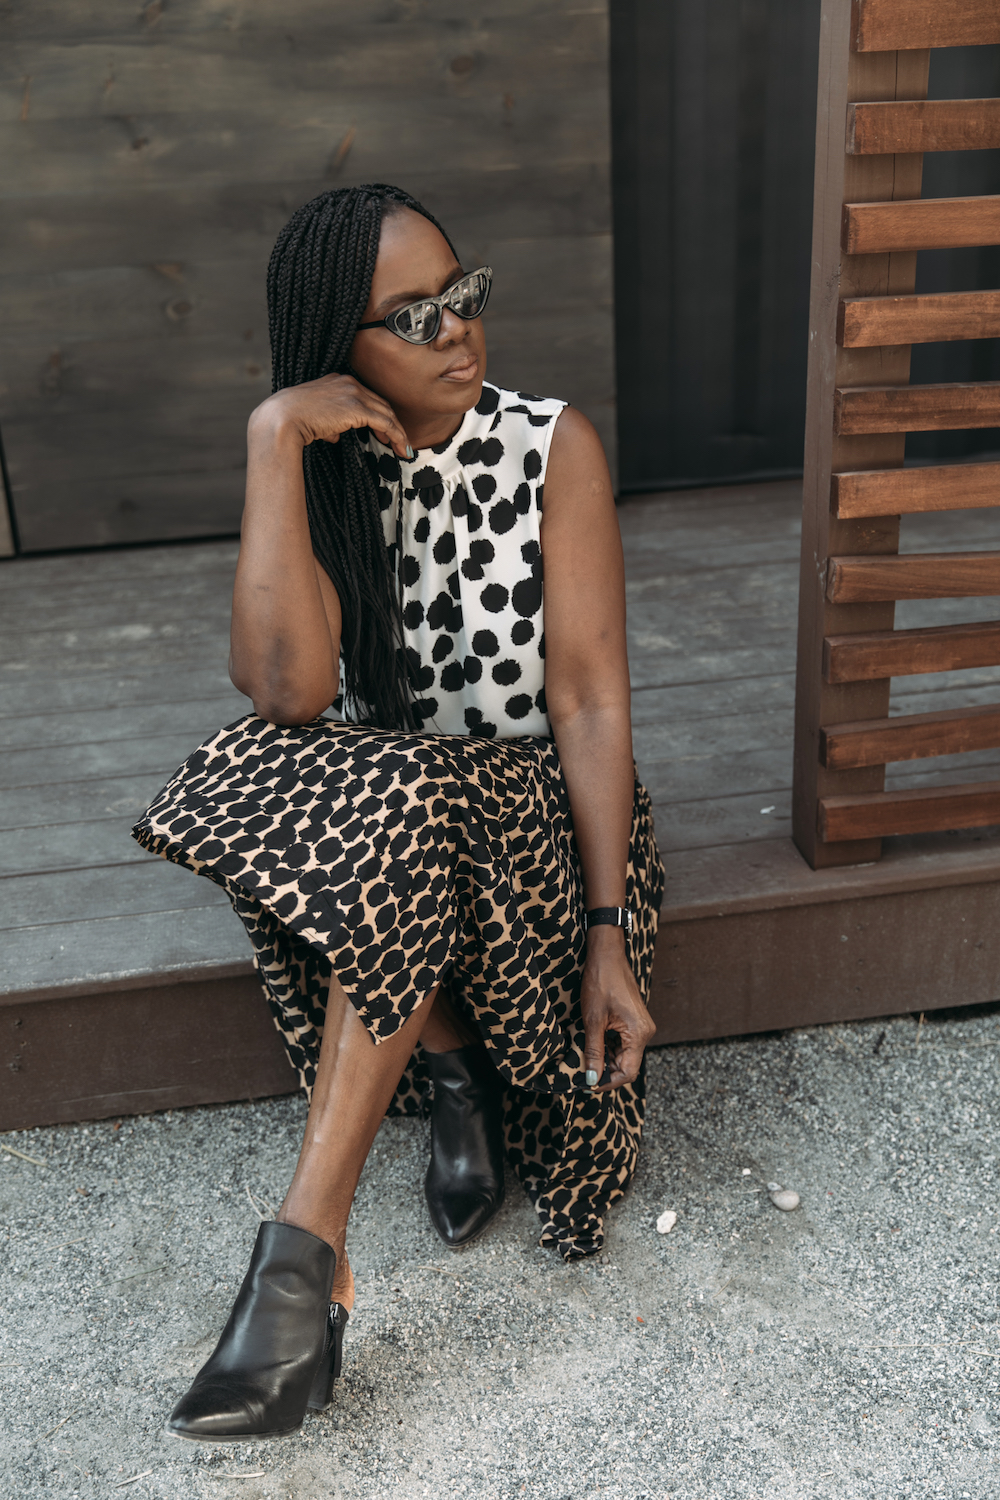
[{"x": 285, "y": 643}]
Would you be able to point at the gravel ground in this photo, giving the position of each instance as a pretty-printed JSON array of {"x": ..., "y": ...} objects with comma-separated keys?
[{"x": 850, "y": 1348}]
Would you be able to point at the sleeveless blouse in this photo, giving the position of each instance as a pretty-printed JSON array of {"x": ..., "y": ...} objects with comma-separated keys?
[{"x": 461, "y": 527}]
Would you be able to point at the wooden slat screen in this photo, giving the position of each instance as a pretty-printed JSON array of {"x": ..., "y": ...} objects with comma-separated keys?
[
  {"x": 874, "y": 742},
  {"x": 928, "y": 575},
  {"x": 934, "y": 318},
  {"x": 891, "y": 25},
  {"x": 865, "y": 315},
  {"x": 903, "y": 653},
  {"x": 916, "y": 408},
  {"x": 879, "y": 127},
  {"x": 926, "y": 224},
  {"x": 901, "y": 492},
  {"x": 847, "y": 819}
]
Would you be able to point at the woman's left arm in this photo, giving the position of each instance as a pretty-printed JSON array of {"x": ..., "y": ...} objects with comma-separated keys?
[{"x": 588, "y": 698}]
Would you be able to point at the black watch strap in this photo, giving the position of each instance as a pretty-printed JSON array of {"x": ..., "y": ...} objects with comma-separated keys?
[{"x": 609, "y": 916}]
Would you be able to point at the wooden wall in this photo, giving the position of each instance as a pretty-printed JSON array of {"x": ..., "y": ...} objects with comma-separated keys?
[{"x": 149, "y": 154}]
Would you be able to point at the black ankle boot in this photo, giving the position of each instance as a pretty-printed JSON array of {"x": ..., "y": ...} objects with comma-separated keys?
[
  {"x": 464, "y": 1184},
  {"x": 280, "y": 1350}
]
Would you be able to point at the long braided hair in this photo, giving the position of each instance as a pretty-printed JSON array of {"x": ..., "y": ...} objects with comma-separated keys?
[{"x": 318, "y": 283}]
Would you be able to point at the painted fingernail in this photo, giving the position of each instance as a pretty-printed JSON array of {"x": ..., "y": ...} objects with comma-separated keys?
[
  {"x": 409, "y": 451},
  {"x": 591, "y": 1077}
]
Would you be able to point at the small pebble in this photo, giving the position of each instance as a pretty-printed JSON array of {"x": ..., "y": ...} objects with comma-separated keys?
[
  {"x": 783, "y": 1198},
  {"x": 666, "y": 1221}
]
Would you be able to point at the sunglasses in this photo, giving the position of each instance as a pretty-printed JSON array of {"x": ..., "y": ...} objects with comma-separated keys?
[{"x": 418, "y": 322}]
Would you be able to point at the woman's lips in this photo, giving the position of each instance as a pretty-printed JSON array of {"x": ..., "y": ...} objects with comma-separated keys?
[{"x": 463, "y": 369}]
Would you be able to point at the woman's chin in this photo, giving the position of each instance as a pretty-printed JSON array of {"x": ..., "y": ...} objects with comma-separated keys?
[{"x": 455, "y": 396}]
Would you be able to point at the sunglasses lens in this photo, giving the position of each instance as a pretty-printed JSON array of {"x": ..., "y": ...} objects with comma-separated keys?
[
  {"x": 468, "y": 296},
  {"x": 417, "y": 323}
]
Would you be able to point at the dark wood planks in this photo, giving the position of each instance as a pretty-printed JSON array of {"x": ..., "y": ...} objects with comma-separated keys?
[
  {"x": 873, "y": 742},
  {"x": 129, "y": 1051},
  {"x": 936, "y": 575},
  {"x": 126, "y": 950},
  {"x": 133, "y": 339},
  {"x": 891, "y": 25},
  {"x": 900, "y": 653},
  {"x": 916, "y": 408},
  {"x": 711, "y": 580},
  {"x": 891, "y": 492},
  {"x": 921, "y": 224},
  {"x": 120, "y": 661},
  {"x": 44, "y": 899},
  {"x": 926, "y": 810},
  {"x": 932, "y": 318},
  {"x": 883, "y": 127},
  {"x": 115, "y": 670}
]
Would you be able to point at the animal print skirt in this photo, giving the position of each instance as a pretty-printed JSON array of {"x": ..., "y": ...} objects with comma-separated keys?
[{"x": 398, "y": 861}]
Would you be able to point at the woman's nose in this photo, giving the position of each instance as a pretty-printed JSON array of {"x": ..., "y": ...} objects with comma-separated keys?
[{"x": 453, "y": 329}]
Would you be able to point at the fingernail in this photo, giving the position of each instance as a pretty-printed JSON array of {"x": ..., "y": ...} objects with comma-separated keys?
[
  {"x": 409, "y": 451},
  {"x": 591, "y": 1077}
]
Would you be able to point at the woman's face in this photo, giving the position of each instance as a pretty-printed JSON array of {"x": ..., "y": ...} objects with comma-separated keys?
[{"x": 428, "y": 386}]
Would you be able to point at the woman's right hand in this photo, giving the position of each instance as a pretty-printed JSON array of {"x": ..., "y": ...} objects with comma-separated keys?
[{"x": 327, "y": 407}]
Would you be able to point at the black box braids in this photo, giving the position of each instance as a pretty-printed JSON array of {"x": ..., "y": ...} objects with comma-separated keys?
[{"x": 318, "y": 283}]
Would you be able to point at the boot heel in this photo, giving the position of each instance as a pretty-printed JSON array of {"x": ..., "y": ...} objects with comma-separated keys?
[{"x": 329, "y": 1366}]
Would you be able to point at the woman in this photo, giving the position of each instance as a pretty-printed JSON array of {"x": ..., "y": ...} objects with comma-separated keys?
[{"x": 438, "y": 885}]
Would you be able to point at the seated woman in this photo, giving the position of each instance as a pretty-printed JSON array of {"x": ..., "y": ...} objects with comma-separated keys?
[{"x": 453, "y": 888}]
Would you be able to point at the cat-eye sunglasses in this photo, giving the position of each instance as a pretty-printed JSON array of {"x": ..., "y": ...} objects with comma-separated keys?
[{"x": 418, "y": 322}]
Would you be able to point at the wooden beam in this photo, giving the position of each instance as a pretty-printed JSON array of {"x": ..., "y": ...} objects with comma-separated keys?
[
  {"x": 875, "y": 742},
  {"x": 905, "y": 492},
  {"x": 902, "y": 653},
  {"x": 929, "y": 810},
  {"x": 886, "y": 126},
  {"x": 934, "y": 318},
  {"x": 926, "y": 575},
  {"x": 892, "y": 25},
  {"x": 920, "y": 224},
  {"x": 916, "y": 408}
]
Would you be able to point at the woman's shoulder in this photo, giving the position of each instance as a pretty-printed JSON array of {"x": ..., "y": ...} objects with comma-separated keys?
[
  {"x": 510, "y": 430},
  {"x": 499, "y": 407}
]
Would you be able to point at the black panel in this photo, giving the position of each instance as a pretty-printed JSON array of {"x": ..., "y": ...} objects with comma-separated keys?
[
  {"x": 959, "y": 73},
  {"x": 713, "y": 110}
]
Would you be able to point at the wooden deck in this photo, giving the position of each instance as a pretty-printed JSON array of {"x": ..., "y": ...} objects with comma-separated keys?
[{"x": 127, "y": 983}]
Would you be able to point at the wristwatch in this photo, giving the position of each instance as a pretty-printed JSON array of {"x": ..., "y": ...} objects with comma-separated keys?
[{"x": 609, "y": 916}]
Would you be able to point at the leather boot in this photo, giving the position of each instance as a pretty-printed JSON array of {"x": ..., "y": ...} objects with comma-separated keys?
[
  {"x": 465, "y": 1181},
  {"x": 280, "y": 1350}
]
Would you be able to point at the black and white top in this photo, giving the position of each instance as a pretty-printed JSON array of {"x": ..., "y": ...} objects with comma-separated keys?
[{"x": 462, "y": 528}]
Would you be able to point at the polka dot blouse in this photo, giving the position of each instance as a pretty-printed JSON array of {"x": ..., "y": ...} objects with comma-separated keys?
[{"x": 462, "y": 530}]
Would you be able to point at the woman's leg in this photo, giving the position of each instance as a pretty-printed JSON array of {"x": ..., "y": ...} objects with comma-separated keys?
[
  {"x": 444, "y": 1030},
  {"x": 355, "y": 1082}
]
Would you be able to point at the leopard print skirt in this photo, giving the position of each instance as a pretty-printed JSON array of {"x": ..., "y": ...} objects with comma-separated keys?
[{"x": 402, "y": 860}]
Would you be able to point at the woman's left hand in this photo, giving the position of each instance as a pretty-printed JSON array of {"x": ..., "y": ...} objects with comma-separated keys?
[{"x": 610, "y": 1001}]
